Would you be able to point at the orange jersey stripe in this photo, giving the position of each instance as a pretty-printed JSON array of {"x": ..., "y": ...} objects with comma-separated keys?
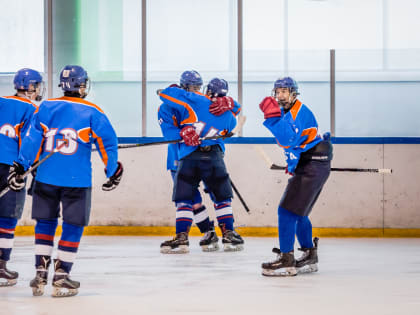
[
  {"x": 18, "y": 129},
  {"x": 295, "y": 109},
  {"x": 84, "y": 134},
  {"x": 101, "y": 148},
  {"x": 199, "y": 93},
  {"x": 76, "y": 100},
  {"x": 20, "y": 99},
  {"x": 286, "y": 147},
  {"x": 192, "y": 117},
  {"x": 311, "y": 133}
]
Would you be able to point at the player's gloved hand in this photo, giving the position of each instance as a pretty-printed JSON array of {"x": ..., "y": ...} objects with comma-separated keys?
[
  {"x": 270, "y": 107},
  {"x": 15, "y": 180},
  {"x": 221, "y": 105},
  {"x": 189, "y": 136},
  {"x": 287, "y": 172},
  {"x": 326, "y": 136},
  {"x": 115, "y": 179}
]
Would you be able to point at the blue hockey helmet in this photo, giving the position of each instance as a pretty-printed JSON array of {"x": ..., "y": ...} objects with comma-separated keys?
[
  {"x": 287, "y": 82},
  {"x": 190, "y": 78},
  {"x": 217, "y": 87},
  {"x": 24, "y": 77},
  {"x": 72, "y": 78}
]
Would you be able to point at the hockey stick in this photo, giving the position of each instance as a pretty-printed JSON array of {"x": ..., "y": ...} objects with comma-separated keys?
[
  {"x": 239, "y": 125},
  {"x": 273, "y": 166},
  {"x": 35, "y": 166},
  {"x": 345, "y": 169},
  {"x": 240, "y": 197}
]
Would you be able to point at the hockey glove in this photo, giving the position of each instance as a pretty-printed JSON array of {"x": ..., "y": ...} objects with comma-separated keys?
[
  {"x": 221, "y": 105},
  {"x": 270, "y": 107},
  {"x": 287, "y": 172},
  {"x": 115, "y": 179},
  {"x": 15, "y": 180},
  {"x": 189, "y": 136}
]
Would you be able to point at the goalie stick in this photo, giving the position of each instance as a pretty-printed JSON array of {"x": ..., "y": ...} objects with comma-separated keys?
[
  {"x": 273, "y": 166},
  {"x": 35, "y": 166},
  {"x": 239, "y": 125}
]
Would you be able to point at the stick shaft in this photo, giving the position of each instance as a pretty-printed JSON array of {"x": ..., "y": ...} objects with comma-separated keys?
[
  {"x": 345, "y": 169},
  {"x": 241, "y": 121},
  {"x": 34, "y": 167},
  {"x": 240, "y": 197}
]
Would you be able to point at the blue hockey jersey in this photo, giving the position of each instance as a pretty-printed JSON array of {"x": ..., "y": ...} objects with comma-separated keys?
[
  {"x": 15, "y": 117},
  {"x": 296, "y": 132},
  {"x": 193, "y": 109},
  {"x": 72, "y": 124},
  {"x": 168, "y": 119}
]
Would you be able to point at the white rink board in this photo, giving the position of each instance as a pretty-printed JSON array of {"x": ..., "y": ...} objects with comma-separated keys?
[{"x": 349, "y": 200}]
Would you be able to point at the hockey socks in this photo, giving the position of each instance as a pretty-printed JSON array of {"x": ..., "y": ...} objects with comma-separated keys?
[
  {"x": 7, "y": 234},
  {"x": 224, "y": 214},
  {"x": 44, "y": 239},
  {"x": 287, "y": 229},
  {"x": 201, "y": 219},
  {"x": 184, "y": 217},
  {"x": 68, "y": 245},
  {"x": 304, "y": 232}
]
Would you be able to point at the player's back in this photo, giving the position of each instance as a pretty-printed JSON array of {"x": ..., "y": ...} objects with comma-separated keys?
[
  {"x": 16, "y": 113},
  {"x": 72, "y": 124}
]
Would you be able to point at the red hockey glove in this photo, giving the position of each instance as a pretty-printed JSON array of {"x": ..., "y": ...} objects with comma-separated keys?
[
  {"x": 270, "y": 107},
  {"x": 221, "y": 105},
  {"x": 15, "y": 180},
  {"x": 115, "y": 179},
  {"x": 287, "y": 172},
  {"x": 189, "y": 136}
]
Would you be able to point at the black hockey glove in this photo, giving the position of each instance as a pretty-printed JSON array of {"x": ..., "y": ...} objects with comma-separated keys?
[
  {"x": 115, "y": 179},
  {"x": 15, "y": 180}
]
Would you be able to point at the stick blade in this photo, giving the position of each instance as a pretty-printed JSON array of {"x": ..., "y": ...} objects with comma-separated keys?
[{"x": 385, "y": 170}]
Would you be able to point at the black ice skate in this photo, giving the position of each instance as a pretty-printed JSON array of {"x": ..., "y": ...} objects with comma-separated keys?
[
  {"x": 284, "y": 265},
  {"x": 178, "y": 245},
  {"x": 40, "y": 281},
  {"x": 7, "y": 277},
  {"x": 209, "y": 242},
  {"x": 308, "y": 262},
  {"x": 231, "y": 240},
  {"x": 63, "y": 286}
]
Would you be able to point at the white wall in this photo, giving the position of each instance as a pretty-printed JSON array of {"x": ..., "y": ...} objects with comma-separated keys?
[{"x": 350, "y": 200}]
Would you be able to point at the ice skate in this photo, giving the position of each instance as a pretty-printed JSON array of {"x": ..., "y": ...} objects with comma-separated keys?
[
  {"x": 284, "y": 265},
  {"x": 209, "y": 242},
  {"x": 7, "y": 277},
  {"x": 308, "y": 262},
  {"x": 40, "y": 281},
  {"x": 63, "y": 286},
  {"x": 178, "y": 245},
  {"x": 231, "y": 240}
]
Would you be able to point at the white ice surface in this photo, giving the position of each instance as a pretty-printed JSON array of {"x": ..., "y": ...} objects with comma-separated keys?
[{"x": 128, "y": 275}]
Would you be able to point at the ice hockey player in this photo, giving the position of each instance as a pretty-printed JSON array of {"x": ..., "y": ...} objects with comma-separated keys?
[
  {"x": 199, "y": 161},
  {"x": 217, "y": 88},
  {"x": 69, "y": 124},
  {"x": 308, "y": 162},
  {"x": 16, "y": 113}
]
